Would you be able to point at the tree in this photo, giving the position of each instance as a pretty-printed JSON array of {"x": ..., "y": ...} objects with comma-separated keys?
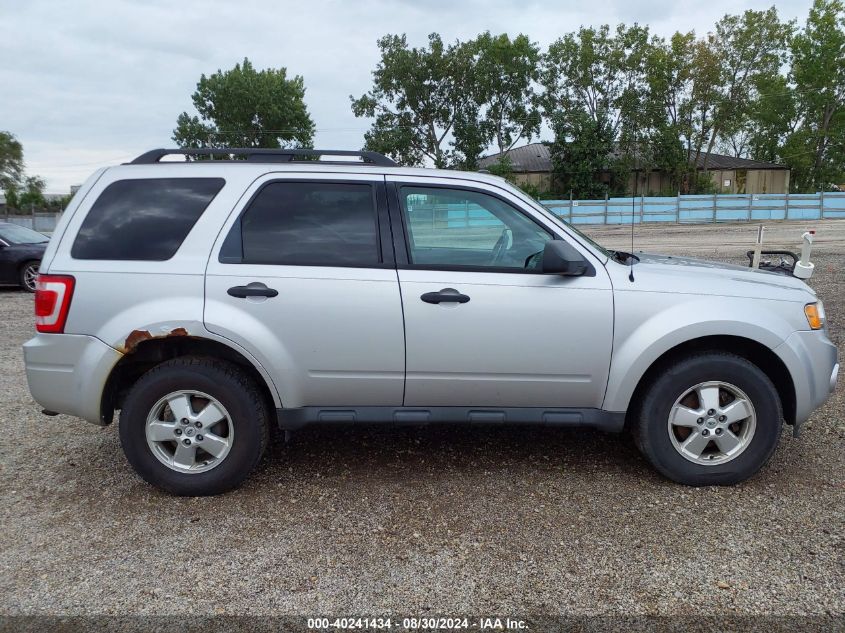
[
  {"x": 772, "y": 118},
  {"x": 418, "y": 97},
  {"x": 32, "y": 193},
  {"x": 748, "y": 48},
  {"x": 816, "y": 149},
  {"x": 682, "y": 76},
  {"x": 11, "y": 161},
  {"x": 595, "y": 89},
  {"x": 583, "y": 148},
  {"x": 506, "y": 71},
  {"x": 243, "y": 107}
]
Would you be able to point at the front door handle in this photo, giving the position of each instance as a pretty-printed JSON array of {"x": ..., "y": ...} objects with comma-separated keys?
[
  {"x": 449, "y": 295},
  {"x": 254, "y": 289}
]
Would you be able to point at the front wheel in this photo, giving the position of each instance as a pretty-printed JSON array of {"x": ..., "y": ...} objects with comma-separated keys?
[
  {"x": 194, "y": 426},
  {"x": 709, "y": 419}
]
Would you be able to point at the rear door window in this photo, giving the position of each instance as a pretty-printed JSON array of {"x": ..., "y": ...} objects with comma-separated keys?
[
  {"x": 143, "y": 219},
  {"x": 307, "y": 224}
]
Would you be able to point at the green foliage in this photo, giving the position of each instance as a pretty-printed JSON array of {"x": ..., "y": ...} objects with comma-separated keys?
[
  {"x": 595, "y": 88},
  {"x": 597, "y": 73},
  {"x": 447, "y": 104},
  {"x": 12, "y": 199},
  {"x": 749, "y": 49},
  {"x": 505, "y": 72},
  {"x": 31, "y": 193},
  {"x": 418, "y": 97},
  {"x": 11, "y": 162},
  {"x": 502, "y": 167},
  {"x": 243, "y": 107},
  {"x": 582, "y": 149},
  {"x": 816, "y": 150},
  {"x": 532, "y": 190}
]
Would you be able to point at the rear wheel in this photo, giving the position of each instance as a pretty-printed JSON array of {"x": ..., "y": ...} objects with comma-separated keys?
[
  {"x": 710, "y": 419},
  {"x": 194, "y": 426},
  {"x": 28, "y": 275}
]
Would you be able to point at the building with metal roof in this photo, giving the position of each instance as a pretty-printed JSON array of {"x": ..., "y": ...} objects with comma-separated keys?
[{"x": 532, "y": 164}]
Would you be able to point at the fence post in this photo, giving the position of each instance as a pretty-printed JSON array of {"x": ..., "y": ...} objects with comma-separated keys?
[
  {"x": 750, "y": 200},
  {"x": 605, "y": 207},
  {"x": 821, "y": 205},
  {"x": 786, "y": 207},
  {"x": 714, "y": 208},
  {"x": 32, "y": 211},
  {"x": 642, "y": 204},
  {"x": 678, "y": 208}
]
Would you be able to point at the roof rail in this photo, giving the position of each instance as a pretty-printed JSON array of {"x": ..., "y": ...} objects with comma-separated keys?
[{"x": 264, "y": 155}]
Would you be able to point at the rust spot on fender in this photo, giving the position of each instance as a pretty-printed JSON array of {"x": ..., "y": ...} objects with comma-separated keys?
[{"x": 137, "y": 337}]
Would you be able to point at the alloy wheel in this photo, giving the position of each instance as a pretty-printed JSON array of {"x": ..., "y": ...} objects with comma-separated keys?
[
  {"x": 189, "y": 431},
  {"x": 712, "y": 423}
]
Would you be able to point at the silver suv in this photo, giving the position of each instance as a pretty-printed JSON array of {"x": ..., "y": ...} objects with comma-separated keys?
[{"x": 208, "y": 300}]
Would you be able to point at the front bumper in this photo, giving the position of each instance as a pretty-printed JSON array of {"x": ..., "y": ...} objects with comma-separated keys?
[
  {"x": 67, "y": 373},
  {"x": 812, "y": 361}
]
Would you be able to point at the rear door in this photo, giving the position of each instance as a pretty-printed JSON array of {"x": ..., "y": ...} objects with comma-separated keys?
[
  {"x": 303, "y": 277},
  {"x": 484, "y": 326}
]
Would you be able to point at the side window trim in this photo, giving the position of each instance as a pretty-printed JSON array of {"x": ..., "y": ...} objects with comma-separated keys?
[
  {"x": 402, "y": 243},
  {"x": 383, "y": 231}
]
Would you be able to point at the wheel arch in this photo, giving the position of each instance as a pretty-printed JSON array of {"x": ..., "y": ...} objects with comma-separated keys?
[
  {"x": 147, "y": 353},
  {"x": 753, "y": 351}
]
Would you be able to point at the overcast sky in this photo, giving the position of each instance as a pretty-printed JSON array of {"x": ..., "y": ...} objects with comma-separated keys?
[{"x": 96, "y": 82}]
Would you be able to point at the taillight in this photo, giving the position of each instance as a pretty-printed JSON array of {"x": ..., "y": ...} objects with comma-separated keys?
[{"x": 52, "y": 302}]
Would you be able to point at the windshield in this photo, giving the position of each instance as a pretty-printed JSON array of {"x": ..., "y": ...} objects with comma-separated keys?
[{"x": 14, "y": 234}]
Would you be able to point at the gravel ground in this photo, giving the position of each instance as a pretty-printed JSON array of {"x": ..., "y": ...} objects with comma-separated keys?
[{"x": 426, "y": 521}]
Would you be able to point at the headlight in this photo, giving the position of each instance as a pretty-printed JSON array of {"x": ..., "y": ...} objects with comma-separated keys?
[{"x": 815, "y": 315}]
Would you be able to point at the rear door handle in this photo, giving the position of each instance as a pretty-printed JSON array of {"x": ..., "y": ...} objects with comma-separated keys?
[
  {"x": 449, "y": 295},
  {"x": 254, "y": 289}
]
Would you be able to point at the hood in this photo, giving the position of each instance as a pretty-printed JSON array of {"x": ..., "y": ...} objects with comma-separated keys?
[{"x": 668, "y": 273}]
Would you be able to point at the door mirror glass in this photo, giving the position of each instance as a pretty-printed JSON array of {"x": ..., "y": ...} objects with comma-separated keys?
[{"x": 560, "y": 258}]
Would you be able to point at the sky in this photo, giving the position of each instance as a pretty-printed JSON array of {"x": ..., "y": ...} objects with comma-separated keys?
[{"x": 94, "y": 83}]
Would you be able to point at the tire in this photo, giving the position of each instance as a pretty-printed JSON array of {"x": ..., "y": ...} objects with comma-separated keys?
[
  {"x": 751, "y": 442},
  {"x": 28, "y": 274},
  {"x": 240, "y": 437}
]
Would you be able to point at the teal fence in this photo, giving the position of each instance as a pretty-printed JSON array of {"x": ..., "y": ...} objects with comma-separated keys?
[{"x": 698, "y": 209}]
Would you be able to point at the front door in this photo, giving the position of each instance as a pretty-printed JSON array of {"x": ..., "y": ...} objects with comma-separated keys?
[
  {"x": 483, "y": 325},
  {"x": 299, "y": 279}
]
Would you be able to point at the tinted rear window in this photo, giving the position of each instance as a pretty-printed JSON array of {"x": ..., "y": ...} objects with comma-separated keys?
[
  {"x": 143, "y": 219},
  {"x": 307, "y": 224}
]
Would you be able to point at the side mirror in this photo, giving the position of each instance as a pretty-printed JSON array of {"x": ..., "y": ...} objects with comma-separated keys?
[{"x": 560, "y": 258}]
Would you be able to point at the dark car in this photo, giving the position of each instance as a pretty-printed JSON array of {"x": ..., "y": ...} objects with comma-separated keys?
[{"x": 21, "y": 250}]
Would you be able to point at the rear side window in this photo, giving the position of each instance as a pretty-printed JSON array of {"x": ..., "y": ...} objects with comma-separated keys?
[
  {"x": 143, "y": 219},
  {"x": 307, "y": 224}
]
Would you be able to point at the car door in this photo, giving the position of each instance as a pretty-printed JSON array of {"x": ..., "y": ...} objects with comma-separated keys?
[
  {"x": 299, "y": 277},
  {"x": 8, "y": 263},
  {"x": 483, "y": 325}
]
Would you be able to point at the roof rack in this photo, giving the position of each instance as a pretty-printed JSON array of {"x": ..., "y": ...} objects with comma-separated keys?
[{"x": 263, "y": 155}]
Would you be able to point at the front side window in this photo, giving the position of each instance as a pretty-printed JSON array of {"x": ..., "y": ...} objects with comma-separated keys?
[
  {"x": 143, "y": 219},
  {"x": 307, "y": 224},
  {"x": 458, "y": 227}
]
